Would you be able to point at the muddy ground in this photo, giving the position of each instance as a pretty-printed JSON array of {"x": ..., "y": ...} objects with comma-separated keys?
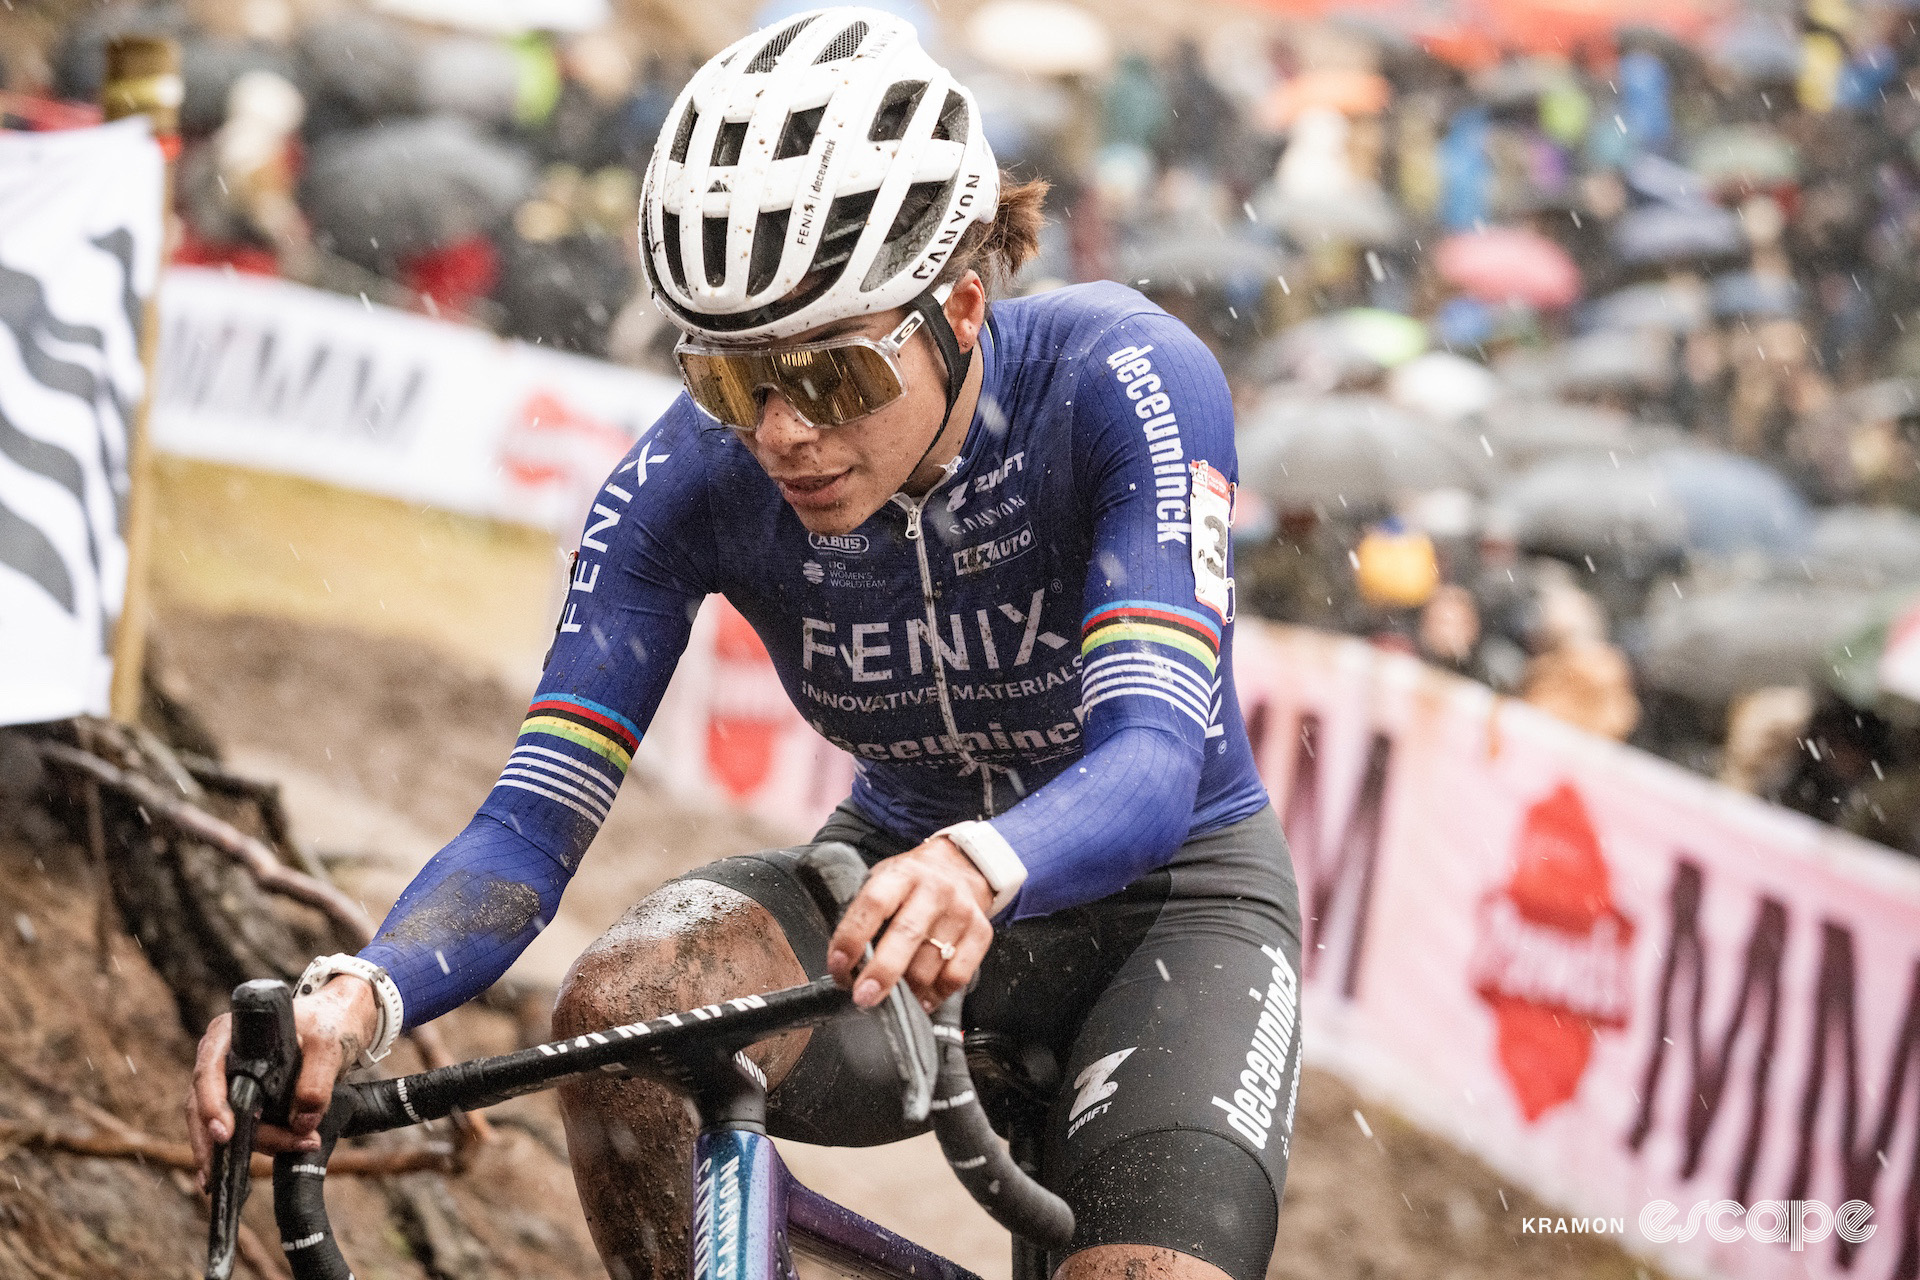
[{"x": 384, "y": 749}]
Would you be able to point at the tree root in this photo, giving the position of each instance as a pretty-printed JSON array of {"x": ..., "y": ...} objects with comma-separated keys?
[
  {"x": 127, "y": 1143},
  {"x": 239, "y": 931}
]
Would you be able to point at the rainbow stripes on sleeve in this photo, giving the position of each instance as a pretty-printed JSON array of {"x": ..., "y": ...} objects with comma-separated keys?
[
  {"x": 1193, "y": 634},
  {"x": 1127, "y": 670},
  {"x": 573, "y": 752}
]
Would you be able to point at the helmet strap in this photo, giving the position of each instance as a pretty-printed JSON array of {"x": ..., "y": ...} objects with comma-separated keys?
[{"x": 958, "y": 363}]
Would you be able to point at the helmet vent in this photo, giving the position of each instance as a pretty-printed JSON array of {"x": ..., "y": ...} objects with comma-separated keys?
[
  {"x": 770, "y": 51},
  {"x": 769, "y": 242},
  {"x": 670, "y": 235},
  {"x": 896, "y": 108},
  {"x": 912, "y": 230},
  {"x": 952, "y": 124},
  {"x": 683, "y": 136},
  {"x": 728, "y": 142},
  {"x": 713, "y": 249},
  {"x": 844, "y": 45},
  {"x": 798, "y": 135},
  {"x": 846, "y": 219}
]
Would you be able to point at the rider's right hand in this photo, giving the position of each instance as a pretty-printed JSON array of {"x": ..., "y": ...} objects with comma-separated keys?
[{"x": 334, "y": 1025}]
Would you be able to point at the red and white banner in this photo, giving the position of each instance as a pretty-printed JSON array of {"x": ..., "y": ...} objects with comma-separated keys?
[
  {"x": 269, "y": 374},
  {"x": 1615, "y": 981}
]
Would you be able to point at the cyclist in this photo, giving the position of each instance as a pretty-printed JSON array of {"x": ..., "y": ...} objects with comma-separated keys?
[{"x": 987, "y": 553}]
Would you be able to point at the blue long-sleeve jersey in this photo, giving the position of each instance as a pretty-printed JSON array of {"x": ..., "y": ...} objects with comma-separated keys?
[{"x": 1043, "y": 639}]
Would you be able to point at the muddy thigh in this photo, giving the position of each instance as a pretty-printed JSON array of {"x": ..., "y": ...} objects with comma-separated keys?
[{"x": 691, "y": 942}]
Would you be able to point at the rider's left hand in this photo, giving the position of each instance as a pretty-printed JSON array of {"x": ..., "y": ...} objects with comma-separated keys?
[{"x": 928, "y": 895}]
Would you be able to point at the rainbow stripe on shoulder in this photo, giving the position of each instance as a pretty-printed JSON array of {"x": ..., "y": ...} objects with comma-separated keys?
[
  {"x": 1153, "y": 622},
  {"x": 597, "y": 728}
]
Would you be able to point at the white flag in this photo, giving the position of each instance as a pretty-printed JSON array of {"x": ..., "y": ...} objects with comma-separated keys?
[{"x": 80, "y": 232}]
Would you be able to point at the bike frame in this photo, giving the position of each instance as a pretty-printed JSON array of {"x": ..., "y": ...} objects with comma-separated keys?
[{"x": 748, "y": 1209}]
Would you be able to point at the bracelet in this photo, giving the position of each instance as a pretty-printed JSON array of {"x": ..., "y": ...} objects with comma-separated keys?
[
  {"x": 992, "y": 856},
  {"x": 393, "y": 1014}
]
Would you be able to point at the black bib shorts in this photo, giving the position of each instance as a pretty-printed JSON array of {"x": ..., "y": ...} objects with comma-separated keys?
[{"x": 1149, "y": 1040}]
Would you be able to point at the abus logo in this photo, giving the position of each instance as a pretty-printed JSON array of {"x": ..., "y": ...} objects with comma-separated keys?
[
  {"x": 845, "y": 544},
  {"x": 1554, "y": 954}
]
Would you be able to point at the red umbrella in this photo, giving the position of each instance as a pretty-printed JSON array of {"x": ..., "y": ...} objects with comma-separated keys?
[{"x": 1506, "y": 264}]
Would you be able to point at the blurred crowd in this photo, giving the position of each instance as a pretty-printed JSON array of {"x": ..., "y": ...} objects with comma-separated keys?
[{"x": 1578, "y": 356}]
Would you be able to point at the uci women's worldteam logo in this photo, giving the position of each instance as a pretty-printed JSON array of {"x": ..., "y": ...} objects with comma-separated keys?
[{"x": 1554, "y": 957}]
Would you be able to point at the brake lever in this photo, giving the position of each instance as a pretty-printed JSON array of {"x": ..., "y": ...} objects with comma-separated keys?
[
  {"x": 833, "y": 873},
  {"x": 916, "y": 1056},
  {"x": 263, "y": 1061}
]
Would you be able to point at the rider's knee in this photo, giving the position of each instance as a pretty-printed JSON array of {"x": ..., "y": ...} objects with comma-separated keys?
[{"x": 690, "y": 942}]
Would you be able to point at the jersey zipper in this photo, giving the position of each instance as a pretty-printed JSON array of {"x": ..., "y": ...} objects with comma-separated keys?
[{"x": 917, "y": 536}]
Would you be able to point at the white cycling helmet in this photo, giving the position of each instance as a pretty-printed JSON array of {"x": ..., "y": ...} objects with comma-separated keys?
[{"x": 823, "y": 168}]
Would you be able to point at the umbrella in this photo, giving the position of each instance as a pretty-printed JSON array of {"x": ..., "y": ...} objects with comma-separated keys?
[
  {"x": 1166, "y": 256},
  {"x": 1519, "y": 434},
  {"x": 1039, "y": 38},
  {"x": 503, "y": 17},
  {"x": 1657, "y": 505},
  {"x": 356, "y": 69},
  {"x": 470, "y": 76},
  {"x": 911, "y": 11},
  {"x": 1665, "y": 308},
  {"x": 1711, "y": 648},
  {"x": 1351, "y": 93},
  {"x": 1750, "y": 295},
  {"x": 1745, "y": 156},
  {"x": 1361, "y": 215},
  {"x": 209, "y": 68},
  {"x": 1758, "y": 46},
  {"x": 1467, "y": 322},
  {"x": 1443, "y": 384},
  {"x": 1327, "y": 350},
  {"x": 1881, "y": 654},
  {"x": 1605, "y": 361},
  {"x": 388, "y": 193},
  {"x": 1517, "y": 81},
  {"x": 1677, "y": 233},
  {"x": 1508, "y": 264},
  {"x": 1868, "y": 546},
  {"x": 1735, "y": 503},
  {"x": 1655, "y": 178},
  {"x": 1357, "y": 449}
]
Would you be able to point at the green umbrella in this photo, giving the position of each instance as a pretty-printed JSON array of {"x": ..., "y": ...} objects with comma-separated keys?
[
  {"x": 1853, "y": 661},
  {"x": 1745, "y": 155},
  {"x": 1385, "y": 337}
]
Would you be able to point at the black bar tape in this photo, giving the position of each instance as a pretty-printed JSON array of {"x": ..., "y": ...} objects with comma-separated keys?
[
  {"x": 974, "y": 1151},
  {"x": 300, "y": 1200}
]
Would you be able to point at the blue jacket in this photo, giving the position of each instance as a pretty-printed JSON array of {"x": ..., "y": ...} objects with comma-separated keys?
[{"x": 1044, "y": 639}]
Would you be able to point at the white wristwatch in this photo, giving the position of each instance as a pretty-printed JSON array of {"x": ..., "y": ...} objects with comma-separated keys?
[
  {"x": 992, "y": 856},
  {"x": 393, "y": 1013}
]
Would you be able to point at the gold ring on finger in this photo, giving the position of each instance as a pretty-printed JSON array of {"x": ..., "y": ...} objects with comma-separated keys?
[{"x": 946, "y": 949}]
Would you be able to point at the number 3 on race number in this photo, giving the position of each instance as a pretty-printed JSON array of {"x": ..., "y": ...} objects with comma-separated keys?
[{"x": 1211, "y": 511}]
